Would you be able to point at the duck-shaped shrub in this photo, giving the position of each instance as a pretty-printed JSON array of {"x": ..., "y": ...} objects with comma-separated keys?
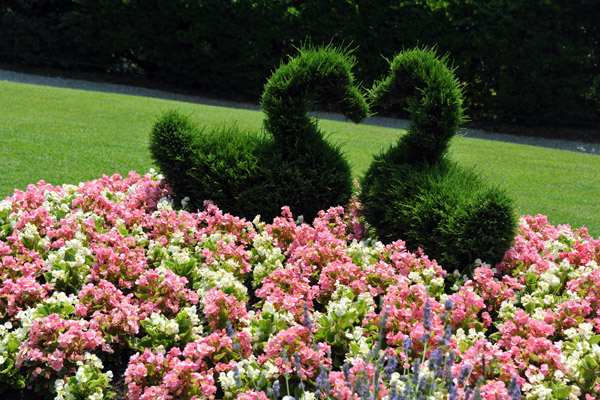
[
  {"x": 290, "y": 163},
  {"x": 414, "y": 192}
]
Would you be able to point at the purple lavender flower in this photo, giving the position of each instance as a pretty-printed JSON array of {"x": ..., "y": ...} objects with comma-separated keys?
[
  {"x": 307, "y": 321},
  {"x": 322, "y": 382},
  {"x": 436, "y": 360},
  {"x": 390, "y": 366},
  {"x": 448, "y": 305},
  {"x": 273, "y": 391},
  {"x": 237, "y": 377},
  {"x": 427, "y": 316},
  {"x": 415, "y": 371},
  {"x": 407, "y": 345},
  {"x": 514, "y": 389},
  {"x": 464, "y": 372}
]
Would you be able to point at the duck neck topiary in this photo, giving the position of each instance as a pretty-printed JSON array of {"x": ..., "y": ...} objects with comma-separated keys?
[
  {"x": 424, "y": 83},
  {"x": 317, "y": 76}
]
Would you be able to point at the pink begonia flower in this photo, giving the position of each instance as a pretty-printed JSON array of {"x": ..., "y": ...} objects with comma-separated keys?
[
  {"x": 220, "y": 308},
  {"x": 252, "y": 395}
]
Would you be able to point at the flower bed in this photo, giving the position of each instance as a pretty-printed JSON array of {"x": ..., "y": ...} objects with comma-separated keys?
[{"x": 213, "y": 306}]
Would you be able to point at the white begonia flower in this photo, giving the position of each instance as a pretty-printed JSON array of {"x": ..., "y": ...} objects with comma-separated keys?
[
  {"x": 227, "y": 379},
  {"x": 439, "y": 282},
  {"x": 538, "y": 314},
  {"x": 575, "y": 392},
  {"x": 571, "y": 333},
  {"x": 596, "y": 350},
  {"x": 58, "y": 274},
  {"x": 339, "y": 307},
  {"x": 415, "y": 277},
  {"x": 252, "y": 372},
  {"x": 93, "y": 360},
  {"x": 586, "y": 330},
  {"x": 271, "y": 370},
  {"x": 172, "y": 328},
  {"x": 96, "y": 396},
  {"x": 543, "y": 287},
  {"x": 80, "y": 375},
  {"x": 548, "y": 299},
  {"x": 30, "y": 232},
  {"x": 541, "y": 392},
  {"x": 268, "y": 307},
  {"x": 177, "y": 238},
  {"x": 308, "y": 396}
]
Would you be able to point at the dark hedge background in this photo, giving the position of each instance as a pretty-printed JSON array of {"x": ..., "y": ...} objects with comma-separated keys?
[{"x": 520, "y": 60}]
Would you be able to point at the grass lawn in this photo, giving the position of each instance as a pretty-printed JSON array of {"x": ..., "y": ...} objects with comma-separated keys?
[{"x": 68, "y": 136}]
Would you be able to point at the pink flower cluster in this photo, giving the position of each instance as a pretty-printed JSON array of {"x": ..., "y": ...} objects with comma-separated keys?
[{"x": 82, "y": 266}]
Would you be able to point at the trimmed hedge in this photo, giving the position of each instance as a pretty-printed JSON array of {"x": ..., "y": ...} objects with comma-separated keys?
[
  {"x": 414, "y": 192},
  {"x": 519, "y": 60},
  {"x": 246, "y": 174}
]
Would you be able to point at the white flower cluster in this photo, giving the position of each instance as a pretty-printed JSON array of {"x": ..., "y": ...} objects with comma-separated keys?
[
  {"x": 363, "y": 254},
  {"x": 587, "y": 269},
  {"x": 266, "y": 257},
  {"x": 72, "y": 257},
  {"x": 164, "y": 204},
  {"x": 221, "y": 279},
  {"x": 6, "y": 336},
  {"x": 580, "y": 352},
  {"x": 247, "y": 370},
  {"x": 89, "y": 381},
  {"x": 59, "y": 204},
  {"x": 162, "y": 324},
  {"x": 464, "y": 340}
]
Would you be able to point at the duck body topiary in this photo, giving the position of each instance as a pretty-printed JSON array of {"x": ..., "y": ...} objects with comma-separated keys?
[
  {"x": 290, "y": 163},
  {"x": 414, "y": 191}
]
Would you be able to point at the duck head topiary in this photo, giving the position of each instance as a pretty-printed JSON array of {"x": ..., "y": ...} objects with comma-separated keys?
[
  {"x": 246, "y": 173},
  {"x": 414, "y": 192}
]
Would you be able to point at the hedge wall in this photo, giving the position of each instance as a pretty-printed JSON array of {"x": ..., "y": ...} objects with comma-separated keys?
[{"x": 536, "y": 59}]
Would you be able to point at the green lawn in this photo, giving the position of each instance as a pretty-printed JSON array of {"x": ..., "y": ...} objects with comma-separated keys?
[{"x": 68, "y": 136}]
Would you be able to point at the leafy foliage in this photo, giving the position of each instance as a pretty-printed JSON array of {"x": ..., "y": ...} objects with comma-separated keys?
[
  {"x": 198, "y": 42},
  {"x": 414, "y": 192}
]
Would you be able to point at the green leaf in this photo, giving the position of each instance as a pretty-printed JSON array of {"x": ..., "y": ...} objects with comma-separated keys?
[
  {"x": 594, "y": 339},
  {"x": 94, "y": 383},
  {"x": 591, "y": 362},
  {"x": 561, "y": 392},
  {"x": 9, "y": 364},
  {"x": 589, "y": 377},
  {"x": 67, "y": 309},
  {"x": 142, "y": 296},
  {"x": 531, "y": 279},
  {"x": 13, "y": 344}
]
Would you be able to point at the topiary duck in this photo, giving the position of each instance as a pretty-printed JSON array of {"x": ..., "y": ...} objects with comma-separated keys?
[
  {"x": 413, "y": 191},
  {"x": 290, "y": 163}
]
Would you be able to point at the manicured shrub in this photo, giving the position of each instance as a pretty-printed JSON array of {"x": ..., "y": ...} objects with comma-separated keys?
[
  {"x": 222, "y": 165},
  {"x": 250, "y": 174},
  {"x": 414, "y": 192}
]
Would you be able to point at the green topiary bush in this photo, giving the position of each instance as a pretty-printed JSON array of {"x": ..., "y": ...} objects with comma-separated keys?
[
  {"x": 414, "y": 192},
  {"x": 292, "y": 165}
]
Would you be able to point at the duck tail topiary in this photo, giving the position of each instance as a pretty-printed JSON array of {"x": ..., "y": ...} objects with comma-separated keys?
[{"x": 172, "y": 148}]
